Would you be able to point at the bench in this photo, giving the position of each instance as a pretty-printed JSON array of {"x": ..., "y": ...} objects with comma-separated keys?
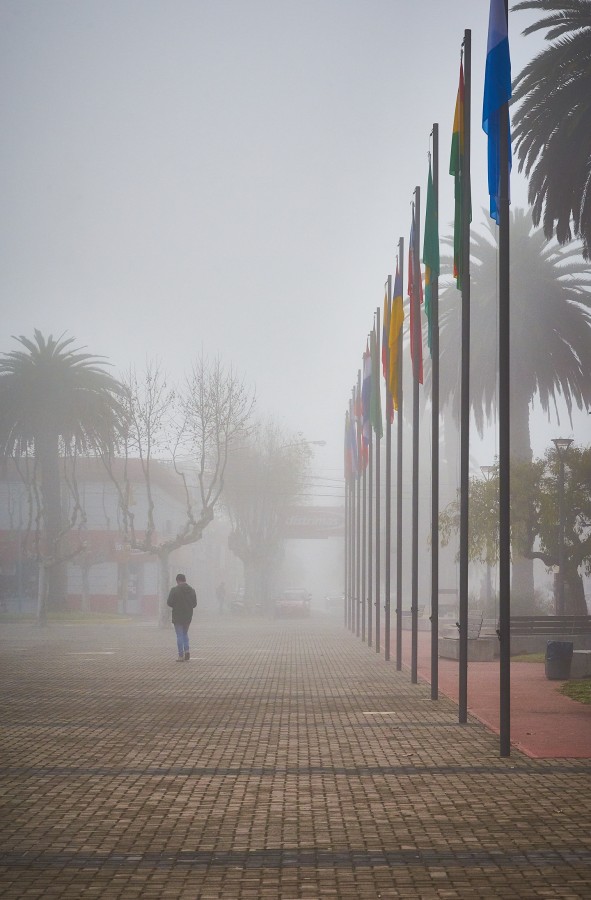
[
  {"x": 550, "y": 625},
  {"x": 480, "y": 648},
  {"x": 452, "y": 629},
  {"x": 530, "y": 634},
  {"x": 423, "y": 624}
]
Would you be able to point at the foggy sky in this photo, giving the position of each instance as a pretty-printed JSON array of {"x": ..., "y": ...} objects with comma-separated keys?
[{"x": 226, "y": 175}]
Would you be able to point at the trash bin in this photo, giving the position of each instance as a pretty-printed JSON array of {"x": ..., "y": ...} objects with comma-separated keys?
[{"x": 559, "y": 656}]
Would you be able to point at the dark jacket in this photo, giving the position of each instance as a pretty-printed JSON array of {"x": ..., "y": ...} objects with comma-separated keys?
[{"x": 183, "y": 600}]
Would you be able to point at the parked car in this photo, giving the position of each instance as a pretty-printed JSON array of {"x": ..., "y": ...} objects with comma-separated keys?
[
  {"x": 293, "y": 602},
  {"x": 335, "y": 603}
]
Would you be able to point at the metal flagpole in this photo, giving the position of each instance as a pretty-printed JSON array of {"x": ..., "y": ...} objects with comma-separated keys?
[
  {"x": 370, "y": 542},
  {"x": 399, "y": 443},
  {"x": 352, "y": 553},
  {"x": 347, "y": 586},
  {"x": 504, "y": 439},
  {"x": 388, "y": 482},
  {"x": 415, "y": 338},
  {"x": 358, "y": 522},
  {"x": 465, "y": 391},
  {"x": 378, "y": 500},
  {"x": 435, "y": 441},
  {"x": 353, "y": 523},
  {"x": 364, "y": 554},
  {"x": 350, "y": 531}
]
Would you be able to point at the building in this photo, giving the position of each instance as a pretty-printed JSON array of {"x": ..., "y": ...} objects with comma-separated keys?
[{"x": 108, "y": 571}]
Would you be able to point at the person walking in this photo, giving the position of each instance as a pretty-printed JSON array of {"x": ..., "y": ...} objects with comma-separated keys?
[{"x": 182, "y": 599}]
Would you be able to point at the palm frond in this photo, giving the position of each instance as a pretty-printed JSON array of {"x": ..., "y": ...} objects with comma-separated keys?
[
  {"x": 564, "y": 16},
  {"x": 550, "y": 323},
  {"x": 552, "y": 121}
]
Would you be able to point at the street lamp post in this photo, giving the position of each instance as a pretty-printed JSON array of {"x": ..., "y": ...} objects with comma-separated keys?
[
  {"x": 562, "y": 445},
  {"x": 487, "y": 472}
]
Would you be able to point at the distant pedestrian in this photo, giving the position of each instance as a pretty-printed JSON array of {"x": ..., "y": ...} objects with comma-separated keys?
[
  {"x": 183, "y": 600},
  {"x": 220, "y": 593}
]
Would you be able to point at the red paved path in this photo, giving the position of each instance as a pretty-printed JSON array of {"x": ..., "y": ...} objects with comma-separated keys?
[{"x": 544, "y": 723}]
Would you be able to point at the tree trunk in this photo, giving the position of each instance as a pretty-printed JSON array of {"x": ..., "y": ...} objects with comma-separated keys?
[
  {"x": 252, "y": 583},
  {"x": 522, "y": 578},
  {"x": 265, "y": 596},
  {"x": 47, "y": 449},
  {"x": 522, "y": 572},
  {"x": 122, "y": 588},
  {"x": 41, "y": 595},
  {"x": 574, "y": 594},
  {"x": 85, "y": 588},
  {"x": 164, "y": 611}
]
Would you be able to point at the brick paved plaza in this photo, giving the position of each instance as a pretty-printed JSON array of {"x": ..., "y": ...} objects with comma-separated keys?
[{"x": 285, "y": 760}]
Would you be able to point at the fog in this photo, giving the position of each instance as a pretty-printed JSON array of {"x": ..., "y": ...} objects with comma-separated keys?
[
  {"x": 231, "y": 176},
  {"x": 181, "y": 176}
]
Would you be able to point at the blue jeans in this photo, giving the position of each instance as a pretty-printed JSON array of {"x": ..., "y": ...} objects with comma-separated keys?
[{"x": 182, "y": 638}]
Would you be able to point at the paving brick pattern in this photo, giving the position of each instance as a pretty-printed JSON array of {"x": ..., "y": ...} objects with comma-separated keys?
[{"x": 285, "y": 760}]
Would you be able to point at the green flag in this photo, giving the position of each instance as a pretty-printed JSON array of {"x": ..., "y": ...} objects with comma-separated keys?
[{"x": 430, "y": 250}]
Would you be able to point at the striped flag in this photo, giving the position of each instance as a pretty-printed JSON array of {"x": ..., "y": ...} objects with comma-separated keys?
[
  {"x": 456, "y": 165},
  {"x": 386, "y": 356},
  {"x": 396, "y": 320},
  {"x": 351, "y": 457}
]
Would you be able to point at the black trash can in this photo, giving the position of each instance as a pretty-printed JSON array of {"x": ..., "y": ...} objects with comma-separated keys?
[{"x": 559, "y": 656}]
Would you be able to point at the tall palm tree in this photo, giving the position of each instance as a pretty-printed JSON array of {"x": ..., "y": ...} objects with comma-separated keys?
[
  {"x": 54, "y": 397},
  {"x": 552, "y": 126},
  {"x": 550, "y": 335}
]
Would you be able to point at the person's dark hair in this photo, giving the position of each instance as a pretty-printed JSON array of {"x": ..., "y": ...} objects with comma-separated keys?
[{"x": 180, "y": 578}]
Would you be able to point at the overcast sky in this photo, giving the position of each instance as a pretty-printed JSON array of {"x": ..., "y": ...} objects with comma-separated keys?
[{"x": 231, "y": 175}]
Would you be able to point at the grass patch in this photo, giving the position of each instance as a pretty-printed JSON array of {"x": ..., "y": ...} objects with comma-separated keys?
[
  {"x": 529, "y": 657},
  {"x": 577, "y": 690}
]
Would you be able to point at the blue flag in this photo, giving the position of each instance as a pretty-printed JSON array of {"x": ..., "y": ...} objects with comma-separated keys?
[{"x": 497, "y": 92}]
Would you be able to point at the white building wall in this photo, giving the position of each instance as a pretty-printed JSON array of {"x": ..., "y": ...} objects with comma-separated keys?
[
  {"x": 14, "y": 507},
  {"x": 99, "y": 500},
  {"x": 100, "y": 503},
  {"x": 102, "y": 579}
]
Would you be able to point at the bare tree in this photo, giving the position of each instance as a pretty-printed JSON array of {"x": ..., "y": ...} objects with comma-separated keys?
[
  {"x": 190, "y": 432},
  {"x": 264, "y": 478}
]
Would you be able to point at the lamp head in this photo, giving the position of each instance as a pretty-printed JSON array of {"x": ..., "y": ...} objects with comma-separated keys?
[{"x": 562, "y": 444}]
